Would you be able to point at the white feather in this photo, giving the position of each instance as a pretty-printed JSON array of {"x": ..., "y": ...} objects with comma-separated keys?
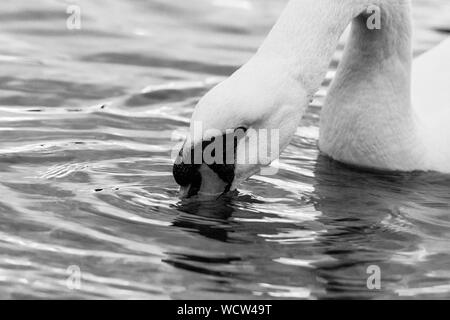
[{"x": 378, "y": 112}]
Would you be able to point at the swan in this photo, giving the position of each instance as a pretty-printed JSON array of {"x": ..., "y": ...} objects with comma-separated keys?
[{"x": 382, "y": 111}]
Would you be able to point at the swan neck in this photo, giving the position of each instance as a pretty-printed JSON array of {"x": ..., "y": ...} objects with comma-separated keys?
[{"x": 308, "y": 32}]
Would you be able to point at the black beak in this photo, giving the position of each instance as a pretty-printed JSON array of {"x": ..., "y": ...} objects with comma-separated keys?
[
  {"x": 193, "y": 174},
  {"x": 189, "y": 177}
]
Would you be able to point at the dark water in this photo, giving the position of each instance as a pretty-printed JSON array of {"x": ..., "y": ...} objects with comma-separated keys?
[{"x": 88, "y": 119}]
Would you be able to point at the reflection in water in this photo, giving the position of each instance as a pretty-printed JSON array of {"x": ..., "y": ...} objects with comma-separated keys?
[
  {"x": 88, "y": 120},
  {"x": 355, "y": 205},
  {"x": 209, "y": 218},
  {"x": 364, "y": 220},
  {"x": 372, "y": 222}
]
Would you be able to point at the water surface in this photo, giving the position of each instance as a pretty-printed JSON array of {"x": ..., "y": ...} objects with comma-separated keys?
[{"x": 88, "y": 119}]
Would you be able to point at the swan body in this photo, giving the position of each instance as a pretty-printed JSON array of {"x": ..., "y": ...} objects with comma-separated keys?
[
  {"x": 431, "y": 100},
  {"x": 382, "y": 111}
]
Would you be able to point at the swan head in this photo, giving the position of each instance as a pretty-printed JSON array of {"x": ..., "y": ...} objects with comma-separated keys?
[{"x": 238, "y": 129}]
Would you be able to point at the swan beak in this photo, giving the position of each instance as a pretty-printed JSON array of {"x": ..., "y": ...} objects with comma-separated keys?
[
  {"x": 184, "y": 192},
  {"x": 204, "y": 178},
  {"x": 204, "y": 182}
]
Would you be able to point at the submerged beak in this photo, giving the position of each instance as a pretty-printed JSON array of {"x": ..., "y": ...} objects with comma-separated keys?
[
  {"x": 211, "y": 185},
  {"x": 184, "y": 192},
  {"x": 208, "y": 178}
]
